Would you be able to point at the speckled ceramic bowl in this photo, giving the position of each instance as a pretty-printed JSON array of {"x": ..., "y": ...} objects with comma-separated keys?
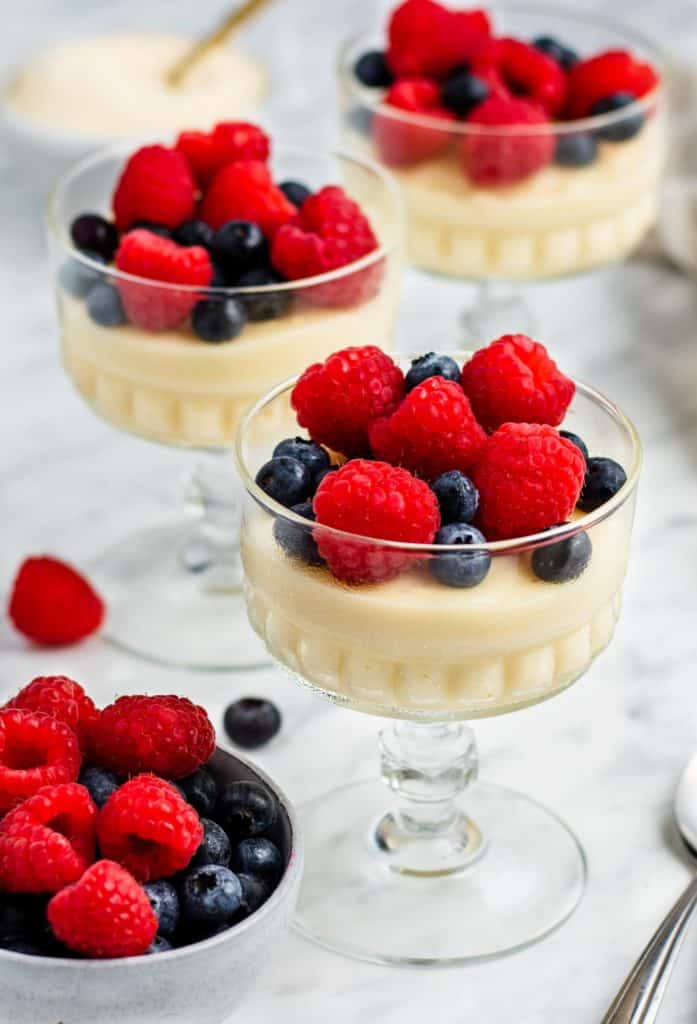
[{"x": 198, "y": 984}]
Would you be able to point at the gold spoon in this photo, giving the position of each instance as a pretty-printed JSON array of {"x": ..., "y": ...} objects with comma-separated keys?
[{"x": 178, "y": 72}]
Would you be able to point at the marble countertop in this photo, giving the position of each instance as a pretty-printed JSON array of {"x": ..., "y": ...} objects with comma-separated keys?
[{"x": 606, "y": 754}]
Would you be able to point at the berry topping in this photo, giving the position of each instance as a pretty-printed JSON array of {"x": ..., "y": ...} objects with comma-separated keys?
[
  {"x": 104, "y": 305},
  {"x": 214, "y": 847},
  {"x": 193, "y": 232},
  {"x": 562, "y": 54},
  {"x": 297, "y": 541},
  {"x": 198, "y": 151},
  {"x": 165, "y": 905},
  {"x": 254, "y": 892},
  {"x": 167, "y": 735},
  {"x": 92, "y": 233},
  {"x": 514, "y": 380},
  {"x": 251, "y": 722},
  {"x": 219, "y": 319},
  {"x": 246, "y": 809},
  {"x": 61, "y": 698},
  {"x": 426, "y": 38},
  {"x": 286, "y": 480},
  {"x": 35, "y": 751},
  {"x": 625, "y": 129},
  {"x": 229, "y": 141},
  {"x": 530, "y": 73},
  {"x": 431, "y": 365},
  {"x": 99, "y": 783},
  {"x": 329, "y": 232},
  {"x": 575, "y": 149},
  {"x": 529, "y": 478},
  {"x": 149, "y": 828},
  {"x": 373, "y": 70},
  {"x": 156, "y": 185},
  {"x": 462, "y": 91},
  {"x": 210, "y": 895},
  {"x": 77, "y": 278},
  {"x": 607, "y": 73},
  {"x": 295, "y": 192},
  {"x": 105, "y": 914},
  {"x": 52, "y": 604},
  {"x": 577, "y": 441},
  {"x": 259, "y": 857},
  {"x": 245, "y": 191},
  {"x": 564, "y": 560},
  {"x": 401, "y": 142},
  {"x": 604, "y": 478},
  {"x": 49, "y": 840},
  {"x": 504, "y": 158},
  {"x": 238, "y": 246},
  {"x": 200, "y": 790},
  {"x": 158, "y": 945},
  {"x": 433, "y": 430},
  {"x": 309, "y": 453},
  {"x": 375, "y": 500},
  {"x": 143, "y": 254},
  {"x": 268, "y": 304},
  {"x": 461, "y": 569},
  {"x": 458, "y": 499},
  {"x": 337, "y": 400}
]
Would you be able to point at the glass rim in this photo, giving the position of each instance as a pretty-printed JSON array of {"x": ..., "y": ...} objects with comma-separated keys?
[
  {"x": 512, "y": 545},
  {"x": 62, "y": 238},
  {"x": 361, "y": 93}
]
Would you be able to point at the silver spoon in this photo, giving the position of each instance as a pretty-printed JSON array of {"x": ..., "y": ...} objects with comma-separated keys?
[{"x": 639, "y": 1000}]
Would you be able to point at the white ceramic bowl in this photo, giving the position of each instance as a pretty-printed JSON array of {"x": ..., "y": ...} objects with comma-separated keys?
[{"x": 197, "y": 984}]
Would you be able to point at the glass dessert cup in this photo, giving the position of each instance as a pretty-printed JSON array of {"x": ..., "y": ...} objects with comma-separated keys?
[
  {"x": 447, "y": 869},
  {"x": 556, "y": 220},
  {"x": 173, "y": 590}
]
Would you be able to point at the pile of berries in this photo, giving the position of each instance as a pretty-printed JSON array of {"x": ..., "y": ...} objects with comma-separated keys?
[
  {"x": 440, "y": 456},
  {"x": 448, "y": 66},
  {"x": 207, "y": 213},
  {"x": 116, "y": 837}
]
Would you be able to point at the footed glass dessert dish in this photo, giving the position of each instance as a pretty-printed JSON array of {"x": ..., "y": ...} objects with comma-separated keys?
[
  {"x": 427, "y": 864},
  {"x": 184, "y": 291}
]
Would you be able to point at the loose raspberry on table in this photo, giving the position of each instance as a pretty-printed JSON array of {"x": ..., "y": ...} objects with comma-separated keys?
[
  {"x": 434, "y": 430},
  {"x": 337, "y": 400},
  {"x": 492, "y": 157},
  {"x": 52, "y": 604},
  {"x": 514, "y": 380},
  {"x": 35, "y": 751},
  {"x": 167, "y": 735},
  {"x": 401, "y": 143},
  {"x": 531, "y": 74},
  {"x": 427, "y": 39},
  {"x": 377, "y": 501},
  {"x": 207, "y": 152},
  {"x": 529, "y": 479},
  {"x": 329, "y": 232},
  {"x": 245, "y": 190},
  {"x": 49, "y": 840},
  {"x": 156, "y": 185},
  {"x": 148, "y": 827},
  {"x": 105, "y": 914},
  {"x": 145, "y": 254},
  {"x": 61, "y": 698},
  {"x": 598, "y": 77}
]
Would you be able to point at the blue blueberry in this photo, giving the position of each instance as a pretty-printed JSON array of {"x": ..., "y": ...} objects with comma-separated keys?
[
  {"x": 604, "y": 478},
  {"x": 210, "y": 895},
  {"x": 622, "y": 130},
  {"x": 99, "y": 783},
  {"x": 158, "y": 945},
  {"x": 286, "y": 480},
  {"x": 25, "y": 946},
  {"x": 104, "y": 305},
  {"x": 161, "y": 230},
  {"x": 461, "y": 568},
  {"x": 295, "y": 192},
  {"x": 562, "y": 54},
  {"x": 246, "y": 809},
  {"x": 215, "y": 846},
  {"x": 239, "y": 246},
  {"x": 255, "y": 891},
  {"x": 296, "y": 541},
  {"x": 577, "y": 441},
  {"x": 91, "y": 233},
  {"x": 77, "y": 278},
  {"x": 263, "y": 305},
  {"x": 200, "y": 790},
  {"x": 431, "y": 365},
  {"x": 373, "y": 70},
  {"x": 563, "y": 561},
  {"x": 218, "y": 320},
  {"x": 313, "y": 455},
  {"x": 575, "y": 149},
  {"x": 458, "y": 498},
  {"x": 194, "y": 232},
  {"x": 21, "y": 917},
  {"x": 165, "y": 904},
  {"x": 462, "y": 92},
  {"x": 259, "y": 857},
  {"x": 251, "y": 722}
]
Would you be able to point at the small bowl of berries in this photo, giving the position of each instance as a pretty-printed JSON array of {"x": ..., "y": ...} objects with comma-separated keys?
[{"x": 144, "y": 873}]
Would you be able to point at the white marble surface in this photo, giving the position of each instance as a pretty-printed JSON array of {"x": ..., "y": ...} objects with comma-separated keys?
[{"x": 606, "y": 755}]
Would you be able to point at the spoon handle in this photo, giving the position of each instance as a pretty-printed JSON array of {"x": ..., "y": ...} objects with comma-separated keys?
[{"x": 641, "y": 995}]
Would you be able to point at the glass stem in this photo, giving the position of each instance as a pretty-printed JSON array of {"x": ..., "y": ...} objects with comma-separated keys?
[
  {"x": 214, "y": 494},
  {"x": 428, "y": 767},
  {"x": 499, "y": 308}
]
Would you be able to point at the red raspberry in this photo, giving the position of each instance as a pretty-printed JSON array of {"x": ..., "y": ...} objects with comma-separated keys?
[
  {"x": 105, "y": 914},
  {"x": 61, "y": 698},
  {"x": 199, "y": 152},
  {"x": 245, "y": 190},
  {"x": 166, "y": 735},
  {"x": 514, "y": 380},
  {"x": 598, "y": 77},
  {"x": 331, "y": 231},
  {"x": 401, "y": 143},
  {"x": 52, "y": 604},
  {"x": 149, "y": 828},
  {"x": 374, "y": 500},
  {"x": 207, "y": 152},
  {"x": 48, "y": 841},
  {"x": 144, "y": 254},
  {"x": 529, "y": 478},
  {"x": 337, "y": 400},
  {"x": 432, "y": 431},
  {"x": 531, "y": 74},
  {"x": 504, "y": 157},
  {"x": 35, "y": 751},
  {"x": 157, "y": 185},
  {"x": 425, "y": 38}
]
